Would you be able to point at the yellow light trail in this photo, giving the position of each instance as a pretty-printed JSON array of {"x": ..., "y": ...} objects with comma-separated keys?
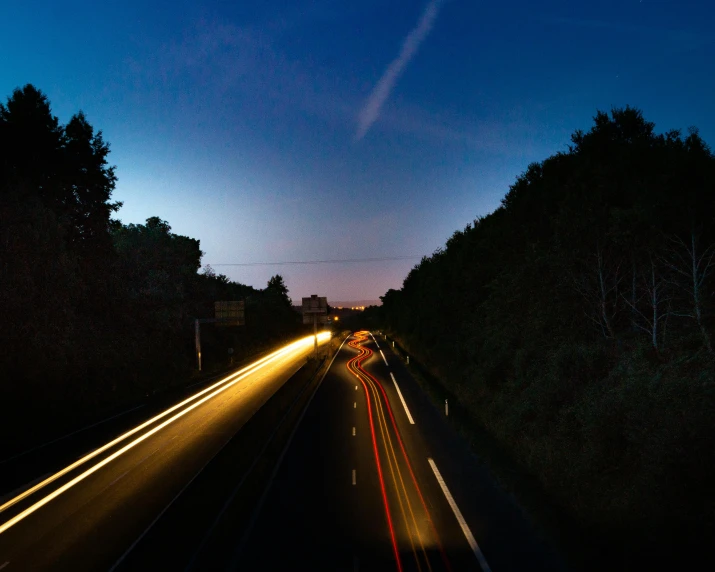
[
  {"x": 381, "y": 405},
  {"x": 236, "y": 377},
  {"x": 393, "y": 463}
]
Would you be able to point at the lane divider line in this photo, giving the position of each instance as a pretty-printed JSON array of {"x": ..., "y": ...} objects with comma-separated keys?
[
  {"x": 462, "y": 523},
  {"x": 353, "y": 431},
  {"x": 397, "y": 387},
  {"x": 354, "y": 404},
  {"x": 383, "y": 358},
  {"x": 354, "y": 478}
]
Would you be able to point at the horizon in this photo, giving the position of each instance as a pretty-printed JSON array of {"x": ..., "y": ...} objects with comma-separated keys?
[{"x": 277, "y": 133}]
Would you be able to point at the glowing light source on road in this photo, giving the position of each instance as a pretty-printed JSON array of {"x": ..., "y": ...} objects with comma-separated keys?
[
  {"x": 424, "y": 529},
  {"x": 212, "y": 391}
]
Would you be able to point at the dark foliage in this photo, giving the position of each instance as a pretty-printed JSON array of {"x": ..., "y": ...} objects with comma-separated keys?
[
  {"x": 96, "y": 314},
  {"x": 575, "y": 324}
]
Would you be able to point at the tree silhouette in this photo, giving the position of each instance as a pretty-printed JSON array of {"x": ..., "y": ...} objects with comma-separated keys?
[
  {"x": 618, "y": 232},
  {"x": 276, "y": 288}
]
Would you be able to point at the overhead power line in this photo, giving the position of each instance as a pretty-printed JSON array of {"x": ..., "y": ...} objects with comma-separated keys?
[{"x": 336, "y": 261}]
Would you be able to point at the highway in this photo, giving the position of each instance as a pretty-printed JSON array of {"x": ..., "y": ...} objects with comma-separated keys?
[
  {"x": 376, "y": 480},
  {"x": 89, "y": 514}
]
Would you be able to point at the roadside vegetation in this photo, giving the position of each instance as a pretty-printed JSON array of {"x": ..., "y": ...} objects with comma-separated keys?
[
  {"x": 575, "y": 326},
  {"x": 95, "y": 313}
]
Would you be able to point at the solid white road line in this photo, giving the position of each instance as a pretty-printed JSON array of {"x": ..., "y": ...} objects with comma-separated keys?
[
  {"x": 383, "y": 357},
  {"x": 397, "y": 387},
  {"x": 354, "y": 477},
  {"x": 462, "y": 523},
  {"x": 3, "y": 565}
]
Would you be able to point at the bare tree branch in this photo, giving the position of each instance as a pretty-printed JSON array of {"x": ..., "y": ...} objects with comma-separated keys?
[{"x": 684, "y": 260}]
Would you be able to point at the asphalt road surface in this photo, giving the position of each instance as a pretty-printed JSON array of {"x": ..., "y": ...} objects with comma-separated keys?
[
  {"x": 376, "y": 480},
  {"x": 86, "y": 516}
]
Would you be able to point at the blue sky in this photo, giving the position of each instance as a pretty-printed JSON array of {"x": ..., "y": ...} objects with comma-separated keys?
[{"x": 239, "y": 122}]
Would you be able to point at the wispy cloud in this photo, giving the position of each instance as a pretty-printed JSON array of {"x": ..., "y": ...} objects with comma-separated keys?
[{"x": 382, "y": 89}]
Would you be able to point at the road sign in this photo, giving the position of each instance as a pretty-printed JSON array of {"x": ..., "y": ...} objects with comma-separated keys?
[
  {"x": 315, "y": 305},
  {"x": 230, "y": 313},
  {"x": 315, "y": 310}
]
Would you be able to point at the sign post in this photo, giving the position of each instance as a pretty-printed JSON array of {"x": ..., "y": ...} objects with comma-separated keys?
[
  {"x": 227, "y": 314},
  {"x": 315, "y": 309},
  {"x": 197, "y": 341}
]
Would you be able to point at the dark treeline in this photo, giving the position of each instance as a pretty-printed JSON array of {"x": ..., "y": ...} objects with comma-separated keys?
[
  {"x": 576, "y": 325},
  {"x": 94, "y": 313}
]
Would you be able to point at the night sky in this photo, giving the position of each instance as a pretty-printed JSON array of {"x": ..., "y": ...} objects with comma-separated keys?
[{"x": 293, "y": 131}]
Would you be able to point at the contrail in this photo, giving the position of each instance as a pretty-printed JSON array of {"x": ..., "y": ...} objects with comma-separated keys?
[{"x": 382, "y": 89}]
